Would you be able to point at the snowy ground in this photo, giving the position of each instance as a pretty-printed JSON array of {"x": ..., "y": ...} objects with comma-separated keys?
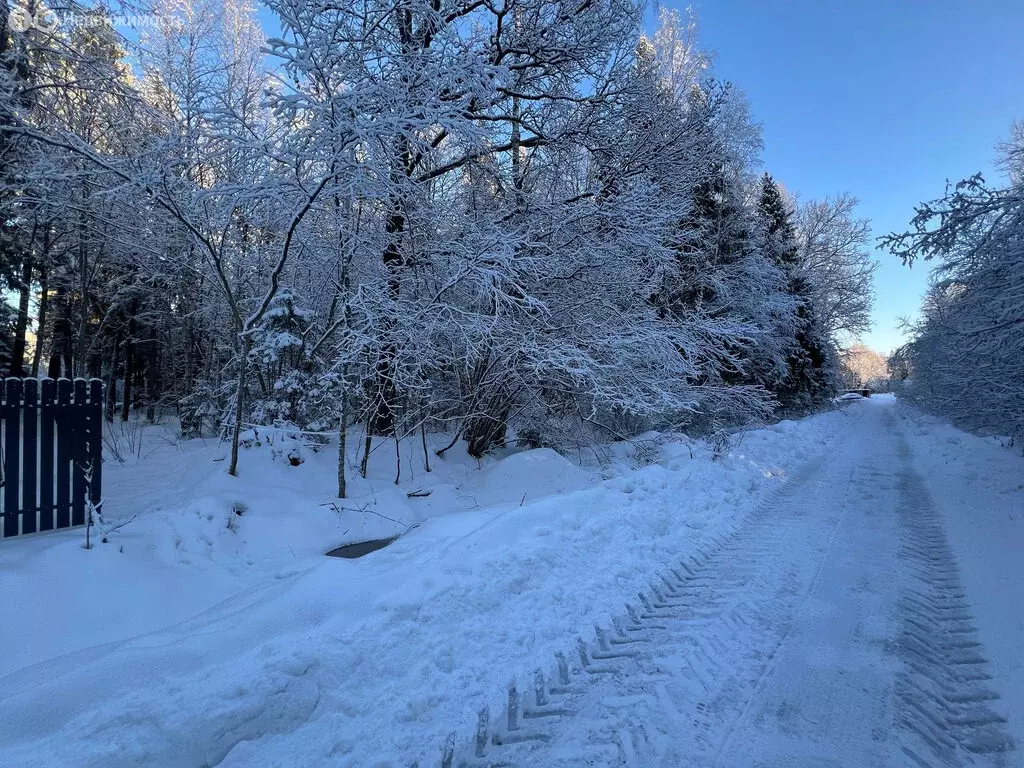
[
  {"x": 833, "y": 628},
  {"x": 186, "y": 641}
]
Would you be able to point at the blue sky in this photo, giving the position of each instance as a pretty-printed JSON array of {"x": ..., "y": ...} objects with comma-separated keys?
[{"x": 882, "y": 99}]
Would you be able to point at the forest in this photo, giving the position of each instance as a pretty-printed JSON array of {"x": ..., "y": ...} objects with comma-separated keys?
[{"x": 502, "y": 220}]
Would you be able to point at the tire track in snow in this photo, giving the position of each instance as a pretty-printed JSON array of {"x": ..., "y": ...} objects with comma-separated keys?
[
  {"x": 691, "y": 649},
  {"x": 669, "y": 684},
  {"x": 947, "y": 708}
]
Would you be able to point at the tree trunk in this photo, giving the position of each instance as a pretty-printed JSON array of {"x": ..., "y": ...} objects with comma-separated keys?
[
  {"x": 17, "y": 367},
  {"x": 426, "y": 453},
  {"x": 129, "y": 368},
  {"x": 152, "y": 376},
  {"x": 44, "y": 300},
  {"x": 366, "y": 450},
  {"x": 485, "y": 431},
  {"x": 385, "y": 390},
  {"x": 236, "y": 433},
  {"x": 342, "y": 450},
  {"x": 111, "y": 404},
  {"x": 129, "y": 375},
  {"x": 60, "y": 348},
  {"x": 398, "y": 458},
  {"x": 385, "y": 394},
  {"x": 343, "y": 434},
  {"x": 83, "y": 293}
]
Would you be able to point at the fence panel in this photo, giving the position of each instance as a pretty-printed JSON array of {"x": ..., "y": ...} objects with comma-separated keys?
[
  {"x": 79, "y": 434},
  {"x": 11, "y": 447},
  {"x": 29, "y": 447},
  {"x": 62, "y": 481},
  {"x": 51, "y": 438},
  {"x": 47, "y": 436}
]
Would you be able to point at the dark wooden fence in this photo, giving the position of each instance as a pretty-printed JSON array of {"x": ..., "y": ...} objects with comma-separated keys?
[{"x": 51, "y": 448}]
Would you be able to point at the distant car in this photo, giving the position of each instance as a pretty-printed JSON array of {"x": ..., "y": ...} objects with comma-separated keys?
[{"x": 853, "y": 394}]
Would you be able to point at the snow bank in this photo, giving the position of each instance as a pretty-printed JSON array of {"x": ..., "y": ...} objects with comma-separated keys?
[
  {"x": 526, "y": 476},
  {"x": 978, "y": 485},
  {"x": 205, "y": 637}
]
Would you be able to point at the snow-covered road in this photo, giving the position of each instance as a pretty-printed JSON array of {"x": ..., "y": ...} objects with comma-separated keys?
[
  {"x": 843, "y": 590},
  {"x": 832, "y": 629}
]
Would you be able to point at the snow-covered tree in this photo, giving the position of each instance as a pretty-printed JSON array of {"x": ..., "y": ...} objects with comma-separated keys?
[
  {"x": 862, "y": 366},
  {"x": 966, "y": 356},
  {"x": 834, "y": 256},
  {"x": 433, "y": 215},
  {"x": 811, "y": 364}
]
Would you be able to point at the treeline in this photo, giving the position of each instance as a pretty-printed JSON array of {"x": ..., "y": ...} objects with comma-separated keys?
[
  {"x": 454, "y": 215},
  {"x": 965, "y": 360},
  {"x": 863, "y": 367}
]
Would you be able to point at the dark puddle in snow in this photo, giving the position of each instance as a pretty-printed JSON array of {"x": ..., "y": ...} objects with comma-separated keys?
[{"x": 360, "y": 548}]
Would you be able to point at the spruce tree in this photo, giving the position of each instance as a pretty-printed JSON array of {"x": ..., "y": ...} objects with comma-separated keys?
[
  {"x": 809, "y": 379},
  {"x": 780, "y": 240}
]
